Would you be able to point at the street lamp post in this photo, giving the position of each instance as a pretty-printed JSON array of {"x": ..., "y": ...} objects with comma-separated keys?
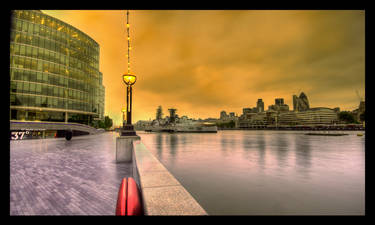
[
  {"x": 123, "y": 116},
  {"x": 128, "y": 128},
  {"x": 124, "y": 143}
]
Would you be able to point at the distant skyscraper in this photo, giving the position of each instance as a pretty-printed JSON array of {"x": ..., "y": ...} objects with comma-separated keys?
[
  {"x": 279, "y": 105},
  {"x": 246, "y": 110},
  {"x": 304, "y": 101},
  {"x": 260, "y": 105},
  {"x": 279, "y": 101},
  {"x": 295, "y": 103},
  {"x": 300, "y": 103},
  {"x": 223, "y": 115}
]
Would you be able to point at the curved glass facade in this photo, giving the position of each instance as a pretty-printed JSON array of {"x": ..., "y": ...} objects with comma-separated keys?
[{"x": 54, "y": 71}]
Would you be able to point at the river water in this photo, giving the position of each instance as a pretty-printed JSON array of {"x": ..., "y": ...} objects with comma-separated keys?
[{"x": 248, "y": 172}]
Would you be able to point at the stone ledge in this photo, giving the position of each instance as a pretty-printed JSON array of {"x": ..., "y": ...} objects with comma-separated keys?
[
  {"x": 170, "y": 200},
  {"x": 162, "y": 194},
  {"x": 158, "y": 179},
  {"x": 136, "y": 137}
]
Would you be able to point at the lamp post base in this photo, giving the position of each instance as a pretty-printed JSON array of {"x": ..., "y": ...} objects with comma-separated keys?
[
  {"x": 128, "y": 130},
  {"x": 124, "y": 148}
]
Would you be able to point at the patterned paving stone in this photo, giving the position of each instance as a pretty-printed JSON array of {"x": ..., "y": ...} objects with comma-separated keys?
[{"x": 59, "y": 177}]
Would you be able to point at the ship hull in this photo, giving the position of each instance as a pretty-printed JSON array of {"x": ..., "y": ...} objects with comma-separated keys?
[
  {"x": 183, "y": 129},
  {"x": 192, "y": 129},
  {"x": 198, "y": 131}
]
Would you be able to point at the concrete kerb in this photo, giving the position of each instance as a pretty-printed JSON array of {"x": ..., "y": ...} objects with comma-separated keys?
[{"x": 162, "y": 194}]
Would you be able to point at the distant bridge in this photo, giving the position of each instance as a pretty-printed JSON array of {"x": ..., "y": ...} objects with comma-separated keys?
[{"x": 36, "y": 125}]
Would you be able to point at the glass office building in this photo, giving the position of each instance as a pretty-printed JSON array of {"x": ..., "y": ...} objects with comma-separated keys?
[
  {"x": 54, "y": 71},
  {"x": 312, "y": 116}
]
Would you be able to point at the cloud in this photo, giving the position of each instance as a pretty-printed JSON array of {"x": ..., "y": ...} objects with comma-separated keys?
[{"x": 205, "y": 61}]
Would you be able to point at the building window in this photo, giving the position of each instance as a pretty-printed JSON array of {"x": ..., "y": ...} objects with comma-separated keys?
[
  {"x": 27, "y": 63},
  {"x": 22, "y": 50},
  {"x": 16, "y": 49},
  {"x": 31, "y": 101},
  {"x": 24, "y": 26},
  {"x": 34, "y": 64},
  {"x": 38, "y": 89},
  {"x": 38, "y": 101},
  {"x": 18, "y": 24},
  {"x": 30, "y": 28},
  {"x": 32, "y": 88},
  {"x": 26, "y": 87},
  {"x": 35, "y": 52}
]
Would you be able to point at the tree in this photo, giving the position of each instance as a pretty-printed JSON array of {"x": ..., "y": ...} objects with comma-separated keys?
[
  {"x": 101, "y": 124},
  {"x": 230, "y": 124},
  {"x": 107, "y": 122},
  {"x": 362, "y": 117},
  {"x": 347, "y": 117}
]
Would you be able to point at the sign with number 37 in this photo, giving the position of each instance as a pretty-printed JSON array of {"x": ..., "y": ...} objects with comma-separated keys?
[{"x": 15, "y": 135}]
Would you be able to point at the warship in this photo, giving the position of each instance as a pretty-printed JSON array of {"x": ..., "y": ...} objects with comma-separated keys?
[{"x": 175, "y": 124}]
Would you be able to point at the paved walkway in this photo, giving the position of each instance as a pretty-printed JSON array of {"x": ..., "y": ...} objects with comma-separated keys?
[{"x": 59, "y": 177}]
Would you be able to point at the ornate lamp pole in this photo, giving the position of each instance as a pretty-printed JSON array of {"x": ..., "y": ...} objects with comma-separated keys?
[
  {"x": 128, "y": 128},
  {"x": 123, "y": 116},
  {"x": 129, "y": 79}
]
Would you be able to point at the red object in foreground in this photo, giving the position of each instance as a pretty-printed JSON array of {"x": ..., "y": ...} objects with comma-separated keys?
[
  {"x": 128, "y": 201},
  {"x": 121, "y": 199}
]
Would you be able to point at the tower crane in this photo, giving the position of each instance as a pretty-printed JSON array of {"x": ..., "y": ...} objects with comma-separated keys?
[{"x": 359, "y": 97}]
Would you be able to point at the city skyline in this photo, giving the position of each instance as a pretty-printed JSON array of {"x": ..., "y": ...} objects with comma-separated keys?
[{"x": 202, "y": 62}]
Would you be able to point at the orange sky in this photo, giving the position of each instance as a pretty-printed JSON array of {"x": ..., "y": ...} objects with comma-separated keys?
[{"x": 205, "y": 61}]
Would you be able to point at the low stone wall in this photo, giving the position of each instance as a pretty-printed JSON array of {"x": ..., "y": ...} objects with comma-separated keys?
[
  {"x": 162, "y": 194},
  {"x": 24, "y": 125}
]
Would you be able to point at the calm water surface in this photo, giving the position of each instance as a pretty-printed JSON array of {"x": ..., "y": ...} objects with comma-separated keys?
[{"x": 266, "y": 172}]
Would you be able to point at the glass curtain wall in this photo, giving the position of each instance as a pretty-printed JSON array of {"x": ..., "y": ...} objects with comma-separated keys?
[{"x": 54, "y": 69}]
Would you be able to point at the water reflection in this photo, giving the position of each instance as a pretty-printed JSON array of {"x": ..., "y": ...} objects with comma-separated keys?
[
  {"x": 173, "y": 141},
  {"x": 282, "y": 149},
  {"x": 257, "y": 184},
  {"x": 303, "y": 154},
  {"x": 261, "y": 146},
  {"x": 247, "y": 142},
  {"x": 159, "y": 144},
  {"x": 183, "y": 140},
  {"x": 228, "y": 142},
  {"x": 43, "y": 146},
  {"x": 224, "y": 143},
  {"x": 67, "y": 144}
]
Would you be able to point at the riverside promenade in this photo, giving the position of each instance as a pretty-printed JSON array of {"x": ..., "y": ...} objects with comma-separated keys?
[
  {"x": 82, "y": 177},
  {"x": 59, "y": 177}
]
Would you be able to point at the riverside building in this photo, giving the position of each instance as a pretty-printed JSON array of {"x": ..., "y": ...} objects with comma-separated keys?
[
  {"x": 312, "y": 116},
  {"x": 54, "y": 71},
  {"x": 260, "y": 105},
  {"x": 250, "y": 120},
  {"x": 279, "y": 106},
  {"x": 279, "y": 114}
]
